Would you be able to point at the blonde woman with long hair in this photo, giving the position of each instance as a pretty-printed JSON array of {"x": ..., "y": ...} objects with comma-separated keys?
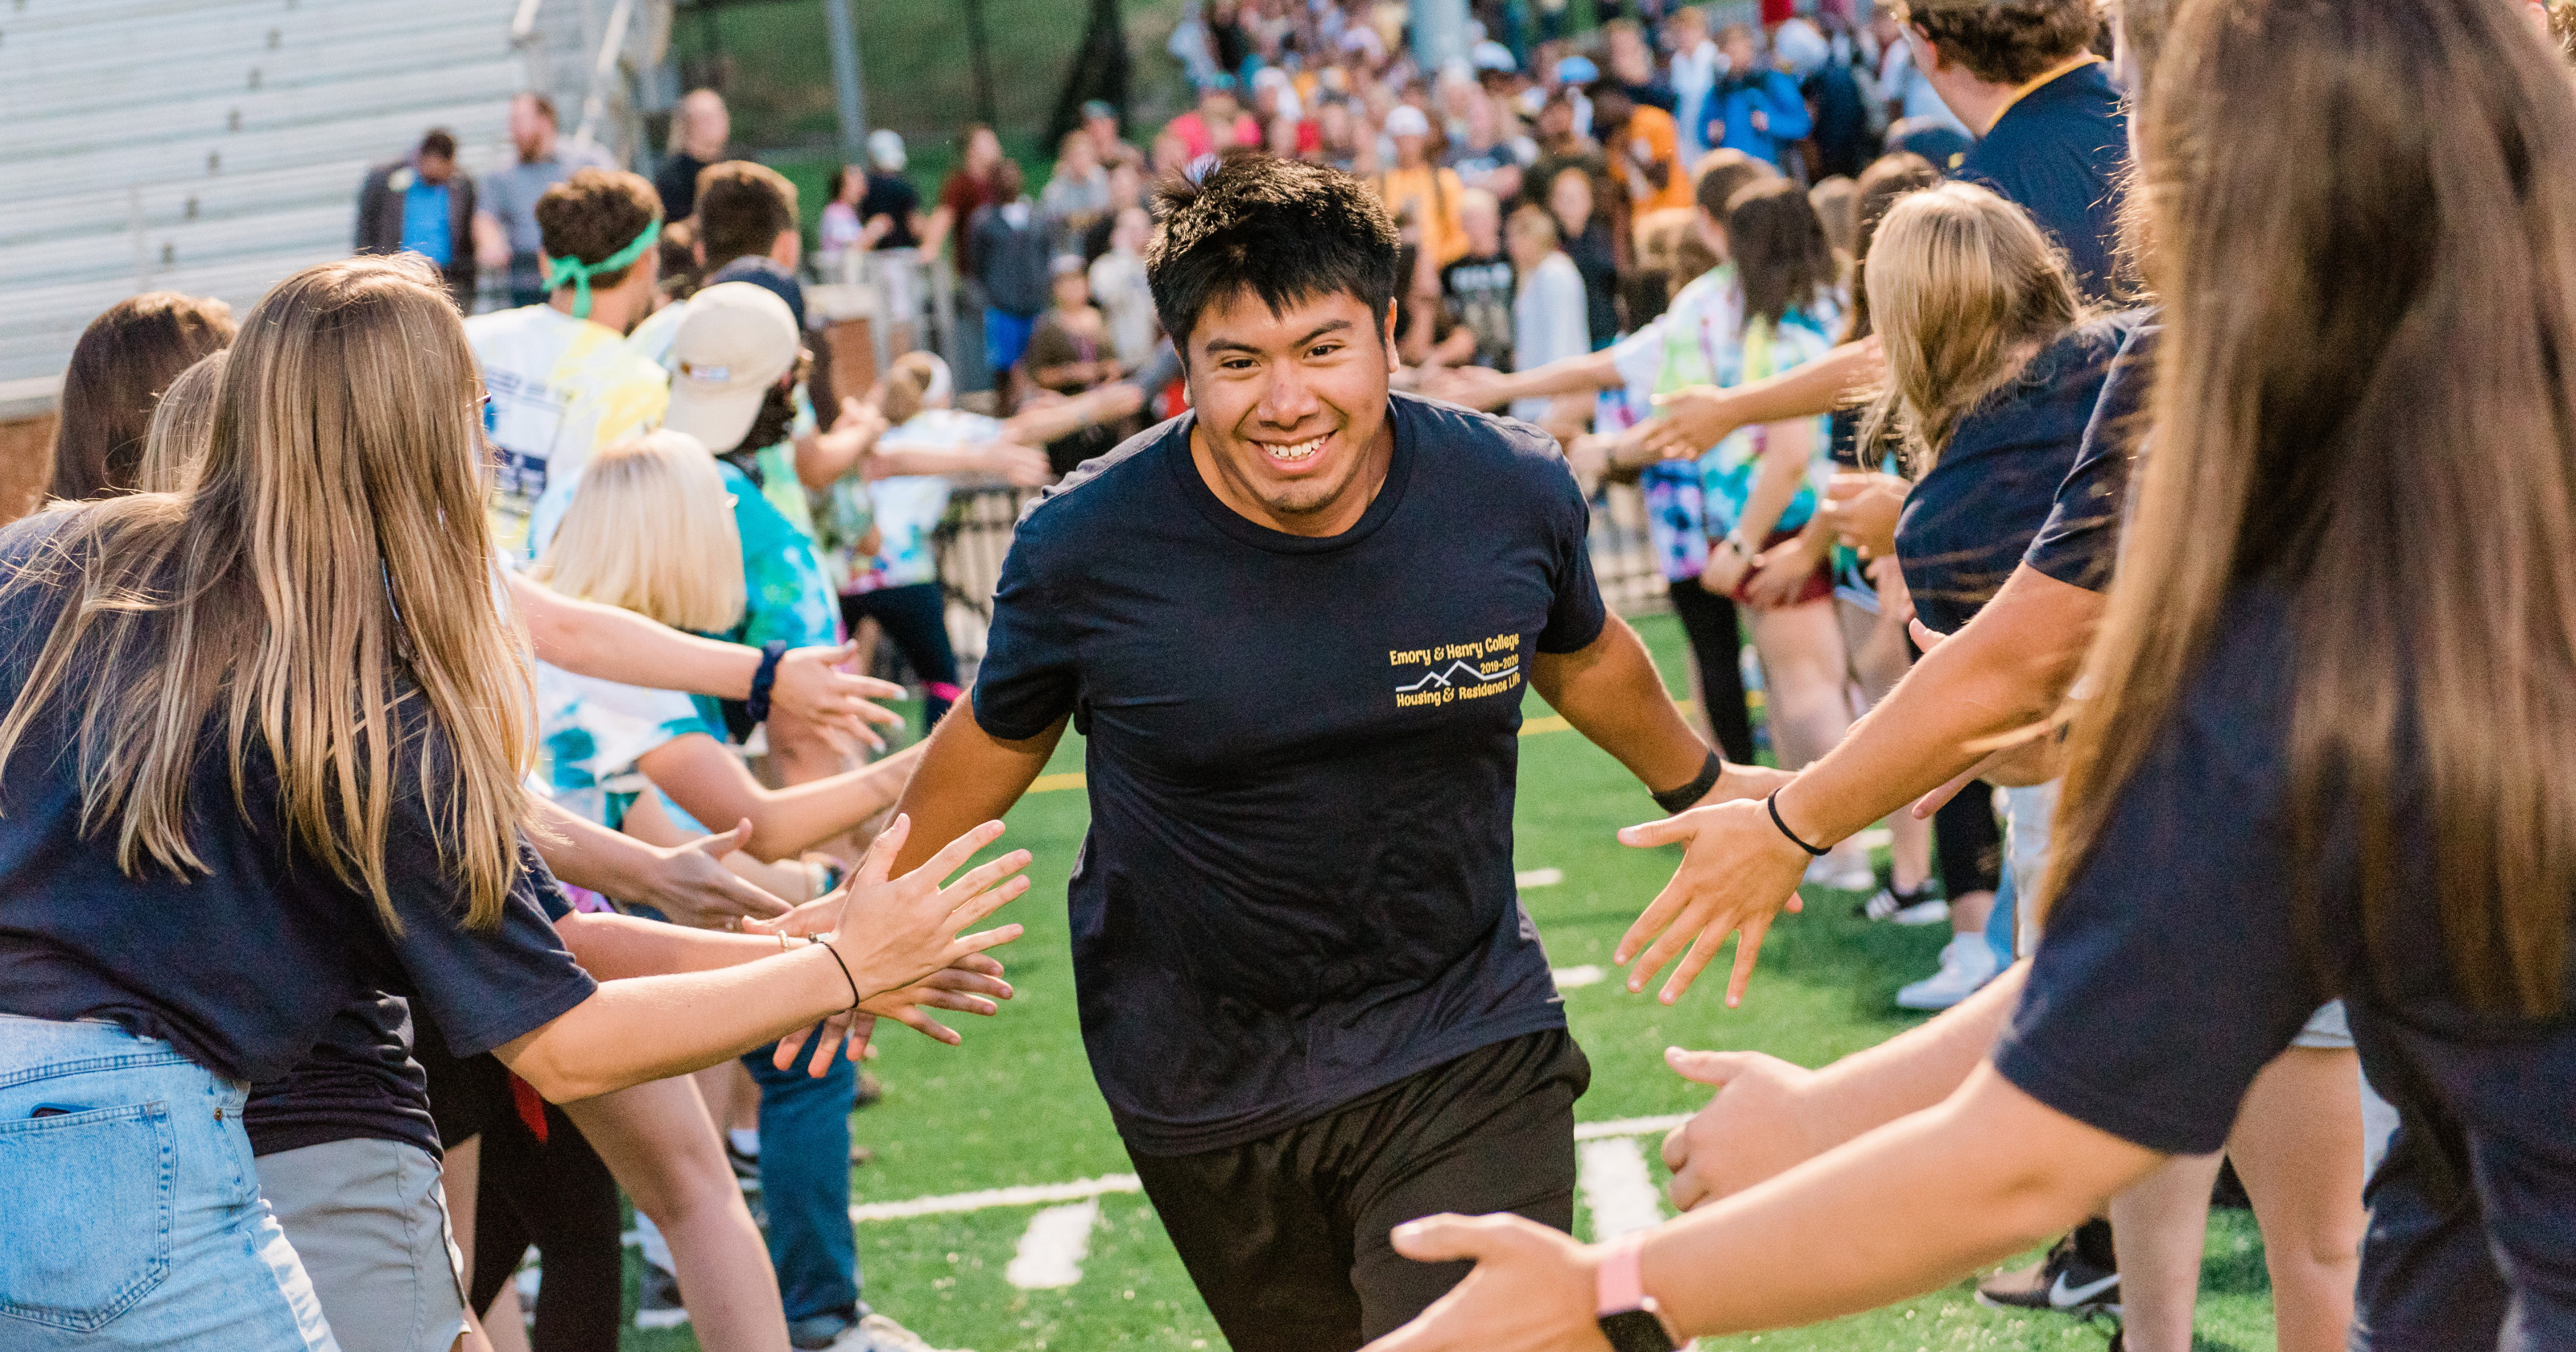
[
  {"x": 2324, "y": 749},
  {"x": 264, "y": 747}
]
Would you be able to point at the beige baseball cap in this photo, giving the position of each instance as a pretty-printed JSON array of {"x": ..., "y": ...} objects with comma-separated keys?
[{"x": 734, "y": 342}]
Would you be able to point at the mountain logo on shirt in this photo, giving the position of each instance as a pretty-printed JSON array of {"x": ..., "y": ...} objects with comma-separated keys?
[{"x": 1455, "y": 671}]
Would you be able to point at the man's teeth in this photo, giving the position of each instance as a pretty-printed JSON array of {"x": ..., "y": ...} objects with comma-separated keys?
[{"x": 1299, "y": 451}]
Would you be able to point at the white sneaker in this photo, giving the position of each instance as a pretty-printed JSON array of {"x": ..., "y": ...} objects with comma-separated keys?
[{"x": 1967, "y": 962}]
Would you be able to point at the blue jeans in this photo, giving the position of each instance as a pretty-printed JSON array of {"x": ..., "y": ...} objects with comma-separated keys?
[
  {"x": 133, "y": 1217},
  {"x": 805, "y": 1184}
]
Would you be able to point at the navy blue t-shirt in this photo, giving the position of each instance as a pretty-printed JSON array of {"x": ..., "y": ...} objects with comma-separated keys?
[
  {"x": 243, "y": 967},
  {"x": 2081, "y": 538},
  {"x": 360, "y": 1081},
  {"x": 1297, "y": 886},
  {"x": 2059, "y": 151},
  {"x": 1969, "y": 521},
  {"x": 2193, "y": 882}
]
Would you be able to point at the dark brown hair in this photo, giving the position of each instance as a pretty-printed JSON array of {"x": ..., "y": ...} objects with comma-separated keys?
[
  {"x": 743, "y": 208},
  {"x": 1719, "y": 176},
  {"x": 594, "y": 214},
  {"x": 123, "y": 361},
  {"x": 2007, "y": 42},
  {"x": 1778, "y": 241},
  {"x": 2361, "y": 403}
]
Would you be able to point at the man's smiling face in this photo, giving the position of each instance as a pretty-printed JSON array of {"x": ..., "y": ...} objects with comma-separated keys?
[{"x": 1292, "y": 408}]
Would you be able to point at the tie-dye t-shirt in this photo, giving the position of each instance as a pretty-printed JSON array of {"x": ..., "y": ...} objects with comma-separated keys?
[
  {"x": 561, "y": 389},
  {"x": 1702, "y": 338},
  {"x": 906, "y": 508},
  {"x": 593, "y": 732},
  {"x": 784, "y": 592}
]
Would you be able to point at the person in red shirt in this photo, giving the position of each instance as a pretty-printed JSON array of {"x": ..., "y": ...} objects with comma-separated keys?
[{"x": 1218, "y": 123}]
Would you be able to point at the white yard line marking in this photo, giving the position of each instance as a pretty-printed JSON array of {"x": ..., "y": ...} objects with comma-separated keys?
[
  {"x": 1053, "y": 1194},
  {"x": 1616, "y": 1187},
  {"x": 1628, "y": 1126},
  {"x": 1570, "y": 978},
  {"x": 1538, "y": 877},
  {"x": 1053, "y": 1247},
  {"x": 1032, "y": 1194}
]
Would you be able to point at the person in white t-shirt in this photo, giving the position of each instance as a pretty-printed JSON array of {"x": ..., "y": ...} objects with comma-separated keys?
[
  {"x": 1549, "y": 315},
  {"x": 1118, "y": 288},
  {"x": 560, "y": 379}
]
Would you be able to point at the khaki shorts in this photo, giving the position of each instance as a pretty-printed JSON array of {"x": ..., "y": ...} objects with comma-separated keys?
[{"x": 369, "y": 1218}]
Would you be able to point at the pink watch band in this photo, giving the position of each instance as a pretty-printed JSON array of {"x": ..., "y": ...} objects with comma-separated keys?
[{"x": 1619, "y": 1283}]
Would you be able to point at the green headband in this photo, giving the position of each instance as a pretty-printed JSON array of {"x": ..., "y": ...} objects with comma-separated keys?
[{"x": 562, "y": 272}]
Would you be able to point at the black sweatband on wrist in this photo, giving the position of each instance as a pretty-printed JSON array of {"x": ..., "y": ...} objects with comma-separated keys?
[
  {"x": 845, "y": 974},
  {"x": 1773, "y": 803},
  {"x": 1679, "y": 800},
  {"x": 765, "y": 678}
]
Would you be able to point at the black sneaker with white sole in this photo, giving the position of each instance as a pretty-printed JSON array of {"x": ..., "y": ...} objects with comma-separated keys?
[
  {"x": 657, "y": 1300},
  {"x": 2066, "y": 1281},
  {"x": 1922, "y": 906}
]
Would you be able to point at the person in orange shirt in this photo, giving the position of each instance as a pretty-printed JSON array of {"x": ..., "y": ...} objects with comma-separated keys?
[
  {"x": 1643, "y": 145},
  {"x": 1424, "y": 191}
]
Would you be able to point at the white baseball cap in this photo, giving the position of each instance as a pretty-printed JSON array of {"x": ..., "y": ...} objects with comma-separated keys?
[
  {"x": 1406, "y": 120},
  {"x": 734, "y": 342}
]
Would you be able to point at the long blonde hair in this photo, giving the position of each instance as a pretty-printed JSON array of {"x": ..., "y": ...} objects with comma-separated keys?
[
  {"x": 175, "y": 443},
  {"x": 328, "y": 576},
  {"x": 1962, "y": 286},
  {"x": 650, "y": 530},
  {"x": 2361, "y": 399}
]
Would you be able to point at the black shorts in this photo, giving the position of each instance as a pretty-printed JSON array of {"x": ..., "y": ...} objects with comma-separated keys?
[{"x": 1286, "y": 1236}]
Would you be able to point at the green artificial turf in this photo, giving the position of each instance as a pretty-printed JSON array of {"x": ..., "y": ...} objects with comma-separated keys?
[{"x": 1016, "y": 1104}]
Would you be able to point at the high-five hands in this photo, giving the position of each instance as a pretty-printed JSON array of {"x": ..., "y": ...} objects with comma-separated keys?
[
  {"x": 691, "y": 886},
  {"x": 1737, "y": 872},
  {"x": 899, "y": 940}
]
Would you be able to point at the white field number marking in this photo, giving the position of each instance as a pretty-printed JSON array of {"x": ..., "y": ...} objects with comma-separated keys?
[
  {"x": 1053, "y": 1247},
  {"x": 1611, "y": 1173}
]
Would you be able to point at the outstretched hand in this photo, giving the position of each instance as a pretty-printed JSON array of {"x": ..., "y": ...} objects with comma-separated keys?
[
  {"x": 1737, "y": 872},
  {"x": 691, "y": 886},
  {"x": 1531, "y": 1290},
  {"x": 1754, "y": 1127},
  {"x": 811, "y": 688}
]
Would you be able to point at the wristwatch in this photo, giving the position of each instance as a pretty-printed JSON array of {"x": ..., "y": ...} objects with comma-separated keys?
[{"x": 1629, "y": 1317}]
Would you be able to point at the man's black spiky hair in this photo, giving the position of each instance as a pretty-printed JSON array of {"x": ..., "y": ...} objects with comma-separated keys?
[{"x": 1288, "y": 230}]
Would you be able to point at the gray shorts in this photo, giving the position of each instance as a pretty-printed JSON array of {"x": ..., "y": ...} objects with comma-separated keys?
[
  {"x": 369, "y": 1218},
  {"x": 2327, "y": 1028}
]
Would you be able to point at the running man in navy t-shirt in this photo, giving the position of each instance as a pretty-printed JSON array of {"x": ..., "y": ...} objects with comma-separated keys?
[{"x": 1296, "y": 627}]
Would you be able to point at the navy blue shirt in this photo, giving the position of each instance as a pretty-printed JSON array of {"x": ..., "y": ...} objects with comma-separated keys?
[
  {"x": 360, "y": 1082},
  {"x": 2192, "y": 882},
  {"x": 1297, "y": 886},
  {"x": 1970, "y": 520},
  {"x": 240, "y": 968},
  {"x": 2081, "y": 538},
  {"x": 2059, "y": 151}
]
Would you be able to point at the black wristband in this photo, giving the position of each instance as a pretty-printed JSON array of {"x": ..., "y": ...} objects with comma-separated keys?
[
  {"x": 845, "y": 973},
  {"x": 761, "y": 681},
  {"x": 1773, "y": 803},
  {"x": 1679, "y": 800}
]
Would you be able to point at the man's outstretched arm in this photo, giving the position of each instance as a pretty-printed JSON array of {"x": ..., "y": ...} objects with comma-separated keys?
[
  {"x": 967, "y": 777},
  {"x": 1610, "y": 691}
]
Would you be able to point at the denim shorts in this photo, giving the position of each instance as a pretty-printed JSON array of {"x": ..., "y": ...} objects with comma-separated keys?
[{"x": 134, "y": 1218}]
